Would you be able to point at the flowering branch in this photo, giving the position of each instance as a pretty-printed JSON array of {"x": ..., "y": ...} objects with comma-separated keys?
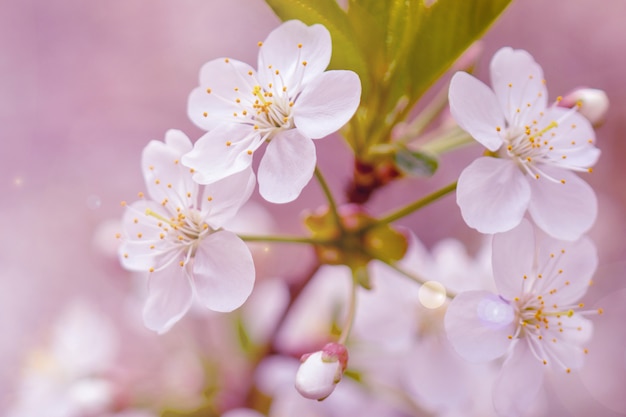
[
  {"x": 285, "y": 239},
  {"x": 417, "y": 205},
  {"x": 329, "y": 197},
  {"x": 347, "y": 327}
]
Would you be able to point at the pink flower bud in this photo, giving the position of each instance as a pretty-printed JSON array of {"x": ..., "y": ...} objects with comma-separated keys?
[
  {"x": 593, "y": 103},
  {"x": 321, "y": 371}
]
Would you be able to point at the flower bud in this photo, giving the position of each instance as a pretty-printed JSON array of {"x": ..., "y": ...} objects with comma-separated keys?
[
  {"x": 592, "y": 103},
  {"x": 321, "y": 371}
]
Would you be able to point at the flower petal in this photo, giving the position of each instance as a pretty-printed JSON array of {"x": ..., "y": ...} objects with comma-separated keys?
[
  {"x": 222, "y": 152},
  {"x": 166, "y": 178},
  {"x": 513, "y": 258},
  {"x": 287, "y": 47},
  {"x": 572, "y": 139},
  {"x": 518, "y": 83},
  {"x": 437, "y": 374},
  {"x": 478, "y": 324},
  {"x": 222, "y": 82},
  {"x": 569, "y": 345},
  {"x": 222, "y": 199},
  {"x": 142, "y": 247},
  {"x": 493, "y": 195},
  {"x": 223, "y": 271},
  {"x": 286, "y": 167},
  {"x": 144, "y": 256},
  {"x": 327, "y": 103},
  {"x": 169, "y": 297},
  {"x": 567, "y": 267},
  {"x": 564, "y": 211},
  {"x": 518, "y": 383},
  {"x": 476, "y": 110}
]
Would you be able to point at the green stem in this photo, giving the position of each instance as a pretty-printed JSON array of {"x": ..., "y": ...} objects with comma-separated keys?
[
  {"x": 284, "y": 239},
  {"x": 415, "y": 278},
  {"x": 416, "y": 205},
  {"x": 406, "y": 273},
  {"x": 347, "y": 327},
  {"x": 329, "y": 197}
]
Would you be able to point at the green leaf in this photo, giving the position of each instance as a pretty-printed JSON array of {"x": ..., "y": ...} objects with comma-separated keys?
[
  {"x": 441, "y": 33},
  {"x": 368, "y": 19},
  {"x": 419, "y": 164},
  {"x": 346, "y": 53}
]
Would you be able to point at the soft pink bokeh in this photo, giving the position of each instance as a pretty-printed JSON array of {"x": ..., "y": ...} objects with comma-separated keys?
[{"x": 84, "y": 85}]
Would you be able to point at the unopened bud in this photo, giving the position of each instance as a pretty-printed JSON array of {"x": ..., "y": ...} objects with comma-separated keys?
[
  {"x": 592, "y": 103},
  {"x": 321, "y": 371}
]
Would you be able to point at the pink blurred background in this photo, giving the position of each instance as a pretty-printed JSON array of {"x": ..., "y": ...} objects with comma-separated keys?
[{"x": 84, "y": 85}]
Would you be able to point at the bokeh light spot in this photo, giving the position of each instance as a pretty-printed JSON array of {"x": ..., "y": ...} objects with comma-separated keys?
[
  {"x": 432, "y": 294},
  {"x": 94, "y": 202}
]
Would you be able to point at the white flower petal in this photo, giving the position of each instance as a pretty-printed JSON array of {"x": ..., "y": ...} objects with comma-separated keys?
[
  {"x": 177, "y": 141},
  {"x": 493, "y": 195},
  {"x": 569, "y": 345},
  {"x": 327, "y": 103},
  {"x": 476, "y": 110},
  {"x": 222, "y": 152},
  {"x": 518, "y": 383},
  {"x": 568, "y": 268},
  {"x": 142, "y": 257},
  {"x": 437, "y": 374},
  {"x": 572, "y": 139},
  {"x": 142, "y": 247},
  {"x": 518, "y": 83},
  {"x": 222, "y": 199},
  {"x": 564, "y": 211},
  {"x": 222, "y": 82},
  {"x": 281, "y": 52},
  {"x": 512, "y": 259},
  {"x": 286, "y": 167},
  {"x": 478, "y": 324},
  {"x": 223, "y": 271},
  {"x": 165, "y": 177},
  {"x": 169, "y": 297}
]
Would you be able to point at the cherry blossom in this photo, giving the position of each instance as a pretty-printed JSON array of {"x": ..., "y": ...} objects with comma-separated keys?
[
  {"x": 68, "y": 376},
  {"x": 287, "y": 102},
  {"x": 538, "y": 146},
  {"x": 321, "y": 371},
  {"x": 534, "y": 321},
  {"x": 593, "y": 103},
  {"x": 176, "y": 236},
  {"x": 400, "y": 333}
]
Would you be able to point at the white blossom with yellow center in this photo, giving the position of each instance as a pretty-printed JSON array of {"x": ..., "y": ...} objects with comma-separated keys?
[
  {"x": 537, "y": 148},
  {"x": 536, "y": 320},
  {"x": 175, "y": 234},
  {"x": 287, "y": 102}
]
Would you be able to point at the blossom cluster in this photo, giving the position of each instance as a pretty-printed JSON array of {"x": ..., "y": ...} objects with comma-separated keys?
[
  {"x": 524, "y": 192},
  {"x": 176, "y": 232},
  {"x": 516, "y": 307}
]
